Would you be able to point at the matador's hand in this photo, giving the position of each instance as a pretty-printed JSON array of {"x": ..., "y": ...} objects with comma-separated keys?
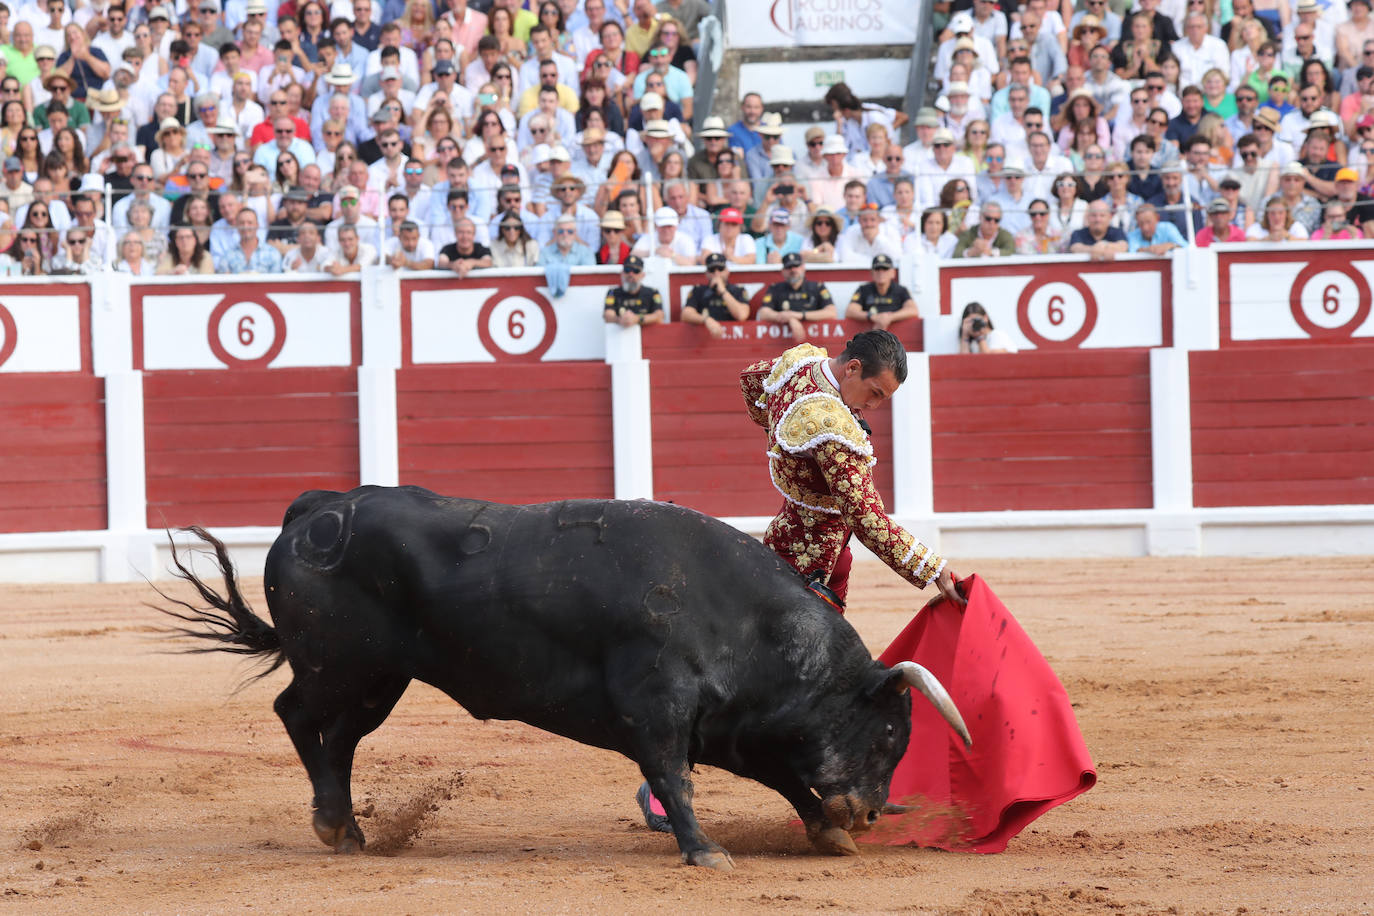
[{"x": 945, "y": 583}]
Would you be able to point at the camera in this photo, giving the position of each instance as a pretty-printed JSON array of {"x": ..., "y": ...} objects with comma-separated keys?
[
  {"x": 787, "y": 189},
  {"x": 977, "y": 324}
]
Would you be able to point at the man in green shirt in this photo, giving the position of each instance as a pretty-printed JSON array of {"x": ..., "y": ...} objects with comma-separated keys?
[
  {"x": 19, "y": 60},
  {"x": 60, "y": 85}
]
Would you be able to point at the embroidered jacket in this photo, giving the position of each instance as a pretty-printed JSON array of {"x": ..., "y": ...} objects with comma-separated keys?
[{"x": 821, "y": 461}]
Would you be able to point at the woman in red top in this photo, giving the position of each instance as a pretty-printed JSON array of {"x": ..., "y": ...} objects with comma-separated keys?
[{"x": 613, "y": 249}]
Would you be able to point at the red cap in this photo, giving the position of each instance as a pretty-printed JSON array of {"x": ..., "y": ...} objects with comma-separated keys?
[
  {"x": 1366, "y": 121},
  {"x": 731, "y": 215}
]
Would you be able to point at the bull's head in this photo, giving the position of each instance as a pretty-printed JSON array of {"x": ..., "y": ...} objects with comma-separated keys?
[{"x": 854, "y": 779}]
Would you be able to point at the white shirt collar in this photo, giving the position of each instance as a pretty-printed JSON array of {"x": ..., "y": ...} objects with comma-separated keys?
[{"x": 829, "y": 376}]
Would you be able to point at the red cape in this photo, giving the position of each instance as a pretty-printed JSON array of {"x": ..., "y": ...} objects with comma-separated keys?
[{"x": 1028, "y": 754}]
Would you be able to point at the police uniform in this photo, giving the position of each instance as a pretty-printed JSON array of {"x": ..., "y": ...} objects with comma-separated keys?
[
  {"x": 870, "y": 300},
  {"x": 643, "y": 301},
  {"x": 707, "y": 300},
  {"x": 808, "y": 297}
]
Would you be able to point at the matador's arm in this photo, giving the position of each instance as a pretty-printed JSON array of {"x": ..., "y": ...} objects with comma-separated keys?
[{"x": 850, "y": 477}]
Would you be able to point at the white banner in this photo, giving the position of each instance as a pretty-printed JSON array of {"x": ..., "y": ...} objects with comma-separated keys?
[{"x": 816, "y": 23}]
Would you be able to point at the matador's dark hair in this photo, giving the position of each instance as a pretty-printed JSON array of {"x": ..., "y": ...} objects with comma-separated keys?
[{"x": 876, "y": 351}]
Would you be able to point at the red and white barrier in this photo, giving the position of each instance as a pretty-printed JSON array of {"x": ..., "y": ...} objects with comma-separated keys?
[{"x": 1142, "y": 417}]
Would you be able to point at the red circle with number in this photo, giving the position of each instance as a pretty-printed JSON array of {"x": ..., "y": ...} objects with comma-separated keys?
[
  {"x": 246, "y": 328},
  {"x": 9, "y": 335},
  {"x": 1040, "y": 340},
  {"x": 517, "y": 326},
  {"x": 1313, "y": 329}
]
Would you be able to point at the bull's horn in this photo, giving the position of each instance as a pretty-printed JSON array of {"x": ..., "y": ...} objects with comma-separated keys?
[
  {"x": 890, "y": 808},
  {"x": 913, "y": 675}
]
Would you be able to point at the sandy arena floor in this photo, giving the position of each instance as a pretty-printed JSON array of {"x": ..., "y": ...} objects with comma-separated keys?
[{"x": 1226, "y": 703}]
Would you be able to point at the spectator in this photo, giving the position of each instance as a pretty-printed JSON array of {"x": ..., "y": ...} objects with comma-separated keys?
[
  {"x": 464, "y": 254},
  {"x": 567, "y": 248},
  {"x": 1152, "y": 235},
  {"x": 1219, "y": 227},
  {"x": 185, "y": 254},
  {"x": 408, "y": 249},
  {"x": 1359, "y": 208},
  {"x": 796, "y": 299},
  {"x": 251, "y": 255},
  {"x": 717, "y": 299},
  {"x": 351, "y": 254},
  {"x": 309, "y": 256},
  {"x": 1098, "y": 239},
  {"x": 1185, "y": 125},
  {"x": 351, "y": 214},
  {"x": 758, "y": 160},
  {"x": 614, "y": 249},
  {"x": 1334, "y": 227},
  {"x": 730, "y": 242},
  {"x": 779, "y": 241},
  {"x": 1255, "y": 182},
  {"x": 1198, "y": 52},
  {"x": 862, "y": 243},
  {"x": 1303, "y": 207},
  {"x": 631, "y": 303},
  {"x": 988, "y": 238},
  {"x": 744, "y": 133},
  {"x": 880, "y": 187},
  {"x": 131, "y": 259},
  {"x": 821, "y": 248},
  {"x": 882, "y": 301},
  {"x": 667, "y": 241},
  {"x": 76, "y": 256},
  {"x": 935, "y": 238},
  {"x": 1169, "y": 203},
  {"x": 1013, "y": 197},
  {"x": 1039, "y": 238},
  {"x": 513, "y": 246},
  {"x": 282, "y": 231},
  {"x": 976, "y": 332}
]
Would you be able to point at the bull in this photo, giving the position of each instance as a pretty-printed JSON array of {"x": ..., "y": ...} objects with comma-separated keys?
[{"x": 644, "y": 628}]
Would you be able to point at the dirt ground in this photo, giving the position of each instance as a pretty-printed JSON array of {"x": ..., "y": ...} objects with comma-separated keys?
[{"x": 1226, "y": 704}]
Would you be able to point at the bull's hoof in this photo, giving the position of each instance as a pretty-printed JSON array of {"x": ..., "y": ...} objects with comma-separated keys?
[
  {"x": 344, "y": 838},
  {"x": 719, "y": 859},
  {"x": 834, "y": 841}
]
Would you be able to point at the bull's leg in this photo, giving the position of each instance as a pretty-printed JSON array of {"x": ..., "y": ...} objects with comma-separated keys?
[
  {"x": 326, "y": 733},
  {"x": 672, "y": 784}
]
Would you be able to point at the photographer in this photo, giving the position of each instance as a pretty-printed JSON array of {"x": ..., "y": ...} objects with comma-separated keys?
[
  {"x": 717, "y": 299},
  {"x": 977, "y": 335},
  {"x": 785, "y": 193}
]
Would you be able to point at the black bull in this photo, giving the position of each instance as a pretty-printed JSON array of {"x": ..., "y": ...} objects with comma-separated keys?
[{"x": 640, "y": 627}]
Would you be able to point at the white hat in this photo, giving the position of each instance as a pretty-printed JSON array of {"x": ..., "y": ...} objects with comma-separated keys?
[
  {"x": 341, "y": 74},
  {"x": 559, "y": 153},
  {"x": 658, "y": 127},
  {"x": 651, "y": 100},
  {"x": 958, "y": 87},
  {"x": 961, "y": 22},
  {"x": 1014, "y": 167},
  {"x": 712, "y": 127},
  {"x": 225, "y": 125},
  {"x": 665, "y": 216},
  {"x": 92, "y": 182},
  {"x": 1323, "y": 118},
  {"x": 540, "y": 153},
  {"x": 1309, "y": 6},
  {"x": 770, "y": 125},
  {"x": 256, "y": 6},
  {"x": 389, "y": 73},
  {"x": 943, "y": 135},
  {"x": 834, "y": 144},
  {"x": 781, "y": 155}
]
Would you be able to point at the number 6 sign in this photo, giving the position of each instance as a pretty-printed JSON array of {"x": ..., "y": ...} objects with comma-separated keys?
[
  {"x": 1057, "y": 314},
  {"x": 1329, "y": 301},
  {"x": 247, "y": 333},
  {"x": 519, "y": 328}
]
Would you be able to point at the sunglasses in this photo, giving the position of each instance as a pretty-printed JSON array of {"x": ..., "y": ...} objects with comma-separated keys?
[
  {"x": 197, "y": 174},
  {"x": 715, "y": 270},
  {"x": 632, "y": 272},
  {"x": 1249, "y": 154},
  {"x": 513, "y": 227},
  {"x": 992, "y": 219},
  {"x": 566, "y": 231},
  {"x": 1035, "y": 213},
  {"x": 348, "y": 201}
]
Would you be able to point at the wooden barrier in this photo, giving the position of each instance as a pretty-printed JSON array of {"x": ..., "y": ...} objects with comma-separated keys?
[
  {"x": 1068, "y": 430},
  {"x": 235, "y": 448},
  {"x": 52, "y": 452},
  {"x": 508, "y": 433},
  {"x": 1283, "y": 426}
]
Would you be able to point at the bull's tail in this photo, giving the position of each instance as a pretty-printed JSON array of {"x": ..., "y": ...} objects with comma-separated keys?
[{"x": 228, "y": 622}]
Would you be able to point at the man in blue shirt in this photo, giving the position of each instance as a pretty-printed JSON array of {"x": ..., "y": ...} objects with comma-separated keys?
[
  {"x": 744, "y": 132},
  {"x": 251, "y": 257},
  {"x": 1151, "y": 235},
  {"x": 1098, "y": 238}
]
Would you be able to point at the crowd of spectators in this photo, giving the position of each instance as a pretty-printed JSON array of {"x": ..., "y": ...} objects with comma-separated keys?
[
  {"x": 240, "y": 136},
  {"x": 1107, "y": 126}
]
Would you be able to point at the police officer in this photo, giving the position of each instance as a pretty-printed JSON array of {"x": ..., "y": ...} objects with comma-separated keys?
[
  {"x": 884, "y": 300},
  {"x": 717, "y": 299},
  {"x": 632, "y": 302},
  {"x": 796, "y": 299}
]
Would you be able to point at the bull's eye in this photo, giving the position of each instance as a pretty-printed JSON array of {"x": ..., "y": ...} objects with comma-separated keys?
[{"x": 890, "y": 730}]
